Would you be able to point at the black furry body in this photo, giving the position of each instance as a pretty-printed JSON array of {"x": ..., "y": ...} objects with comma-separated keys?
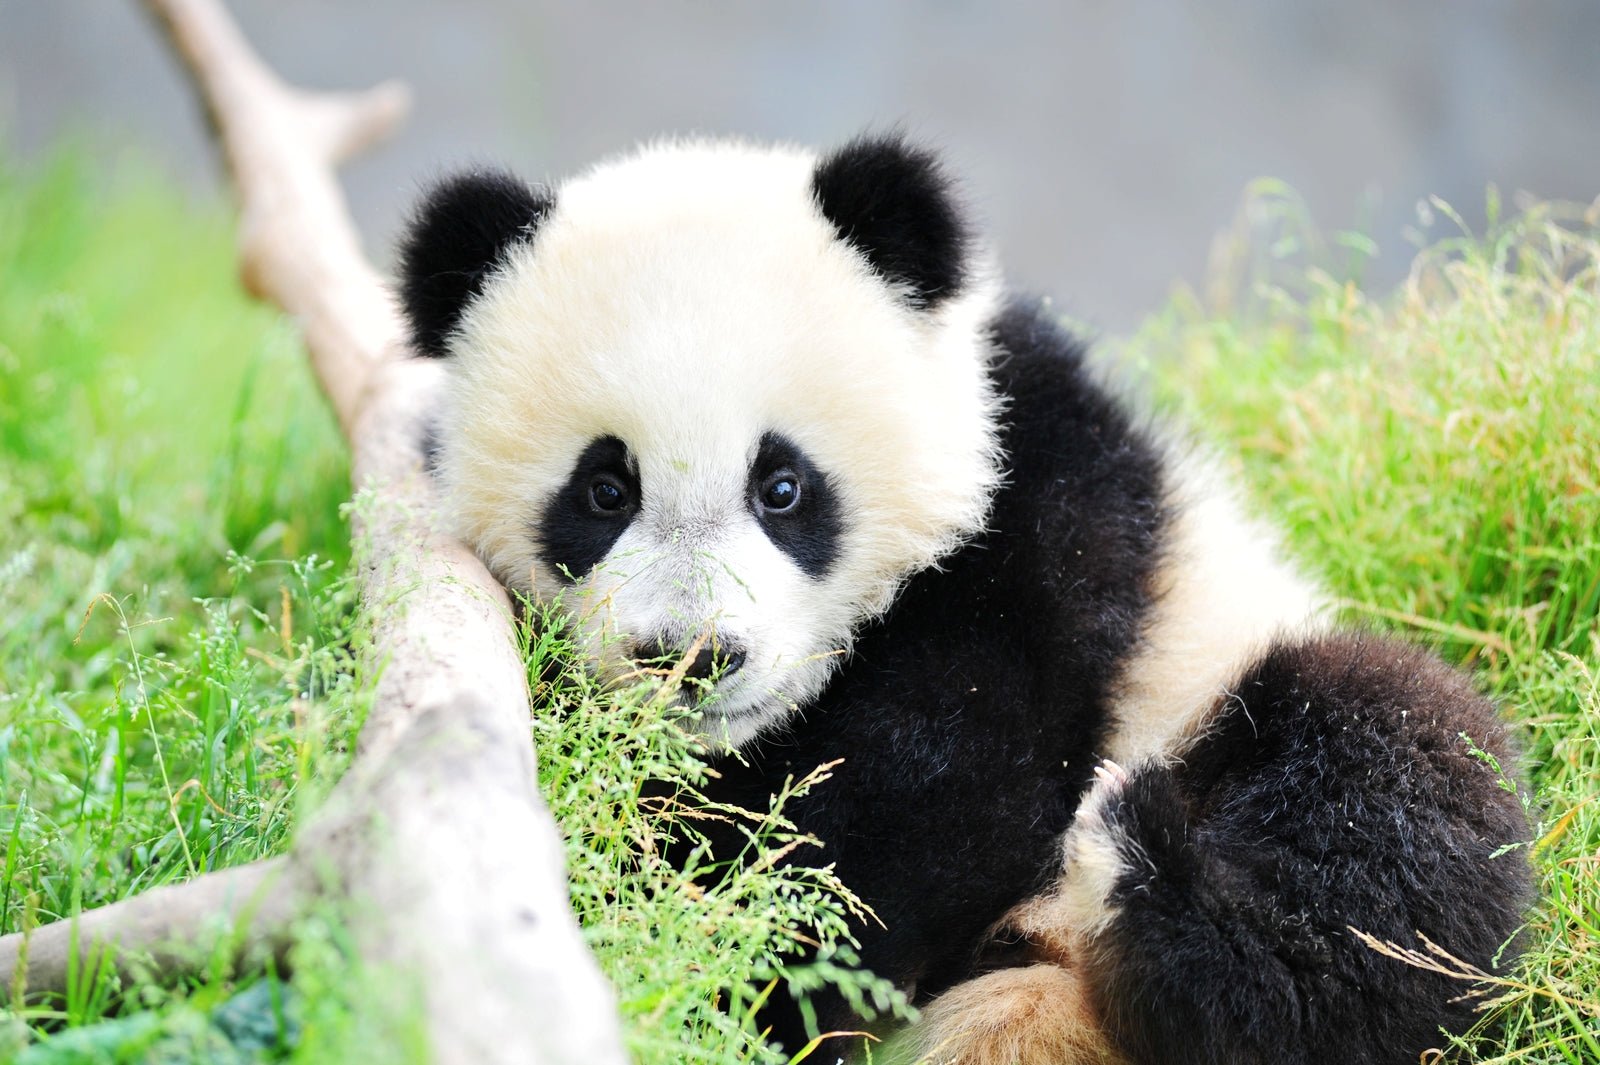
[{"x": 1333, "y": 791}]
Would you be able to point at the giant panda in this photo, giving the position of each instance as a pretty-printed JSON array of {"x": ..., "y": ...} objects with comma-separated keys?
[{"x": 1115, "y": 786}]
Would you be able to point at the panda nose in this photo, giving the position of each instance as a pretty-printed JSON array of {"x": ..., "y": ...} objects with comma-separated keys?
[
  {"x": 720, "y": 662},
  {"x": 714, "y": 658}
]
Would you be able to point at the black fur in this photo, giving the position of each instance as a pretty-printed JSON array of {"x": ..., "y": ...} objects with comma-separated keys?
[
  {"x": 809, "y": 533},
  {"x": 458, "y": 235},
  {"x": 893, "y": 203},
  {"x": 1332, "y": 789},
  {"x": 969, "y": 717},
  {"x": 574, "y": 534}
]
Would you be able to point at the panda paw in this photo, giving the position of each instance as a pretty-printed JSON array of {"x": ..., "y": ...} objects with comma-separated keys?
[
  {"x": 1098, "y": 810},
  {"x": 1093, "y": 851}
]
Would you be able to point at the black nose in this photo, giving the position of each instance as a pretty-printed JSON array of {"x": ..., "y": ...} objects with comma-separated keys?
[
  {"x": 720, "y": 661},
  {"x": 715, "y": 658}
]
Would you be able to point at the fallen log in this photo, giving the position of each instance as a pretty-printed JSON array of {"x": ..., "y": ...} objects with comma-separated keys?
[{"x": 435, "y": 848}]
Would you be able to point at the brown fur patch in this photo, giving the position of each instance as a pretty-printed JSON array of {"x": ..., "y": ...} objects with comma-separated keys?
[{"x": 1033, "y": 1015}]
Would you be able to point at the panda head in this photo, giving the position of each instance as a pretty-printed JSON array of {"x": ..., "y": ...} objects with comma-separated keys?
[{"x": 716, "y": 396}]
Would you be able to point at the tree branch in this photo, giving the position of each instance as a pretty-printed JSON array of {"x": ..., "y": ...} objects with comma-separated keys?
[
  {"x": 178, "y": 925},
  {"x": 436, "y": 840}
]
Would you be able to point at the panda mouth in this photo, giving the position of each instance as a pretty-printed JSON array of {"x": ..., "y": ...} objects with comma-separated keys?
[
  {"x": 726, "y": 700},
  {"x": 731, "y": 707},
  {"x": 713, "y": 699},
  {"x": 724, "y": 726}
]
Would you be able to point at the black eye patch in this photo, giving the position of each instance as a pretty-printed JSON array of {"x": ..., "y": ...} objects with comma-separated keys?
[
  {"x": 795, "y": 504},
  {"x": 587, "y": 514}
]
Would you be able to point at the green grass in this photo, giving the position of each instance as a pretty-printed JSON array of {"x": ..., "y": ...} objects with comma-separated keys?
[
  {"x": 178, "y": 685},
  {"x": 173, "y": 671}
]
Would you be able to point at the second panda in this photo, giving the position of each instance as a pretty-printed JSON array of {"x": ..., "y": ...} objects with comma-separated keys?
[{"x": 1114, "y": 786}]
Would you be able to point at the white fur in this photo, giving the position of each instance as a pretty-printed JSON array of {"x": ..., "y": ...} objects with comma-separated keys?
[
  {"x": 688, "y": 299},
  {"x": 1222, "y": 594}
]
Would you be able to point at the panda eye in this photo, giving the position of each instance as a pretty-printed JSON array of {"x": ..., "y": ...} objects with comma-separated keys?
[
  {"x": 607, "y": 495},
  {"x": 780, "y": 492}
]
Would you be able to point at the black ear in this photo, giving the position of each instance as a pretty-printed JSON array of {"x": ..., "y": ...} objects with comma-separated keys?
[
  {"x": 894, "y": 204},
  {"x": 458, "y": 234}
]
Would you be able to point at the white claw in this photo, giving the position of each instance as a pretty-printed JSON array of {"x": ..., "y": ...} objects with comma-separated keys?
[{"x": 1111, "y": 773}]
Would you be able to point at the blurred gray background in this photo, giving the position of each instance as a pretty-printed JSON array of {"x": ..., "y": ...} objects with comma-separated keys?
[{"x": 1106, "y": 144}]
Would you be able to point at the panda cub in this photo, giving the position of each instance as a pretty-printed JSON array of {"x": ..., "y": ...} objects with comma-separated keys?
[{"x": 1113, "y": 785}]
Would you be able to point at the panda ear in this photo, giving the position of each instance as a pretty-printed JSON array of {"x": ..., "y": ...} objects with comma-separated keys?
[
  {"x": 458, "y": 234},
  {"x": 893, "y": 203}
]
